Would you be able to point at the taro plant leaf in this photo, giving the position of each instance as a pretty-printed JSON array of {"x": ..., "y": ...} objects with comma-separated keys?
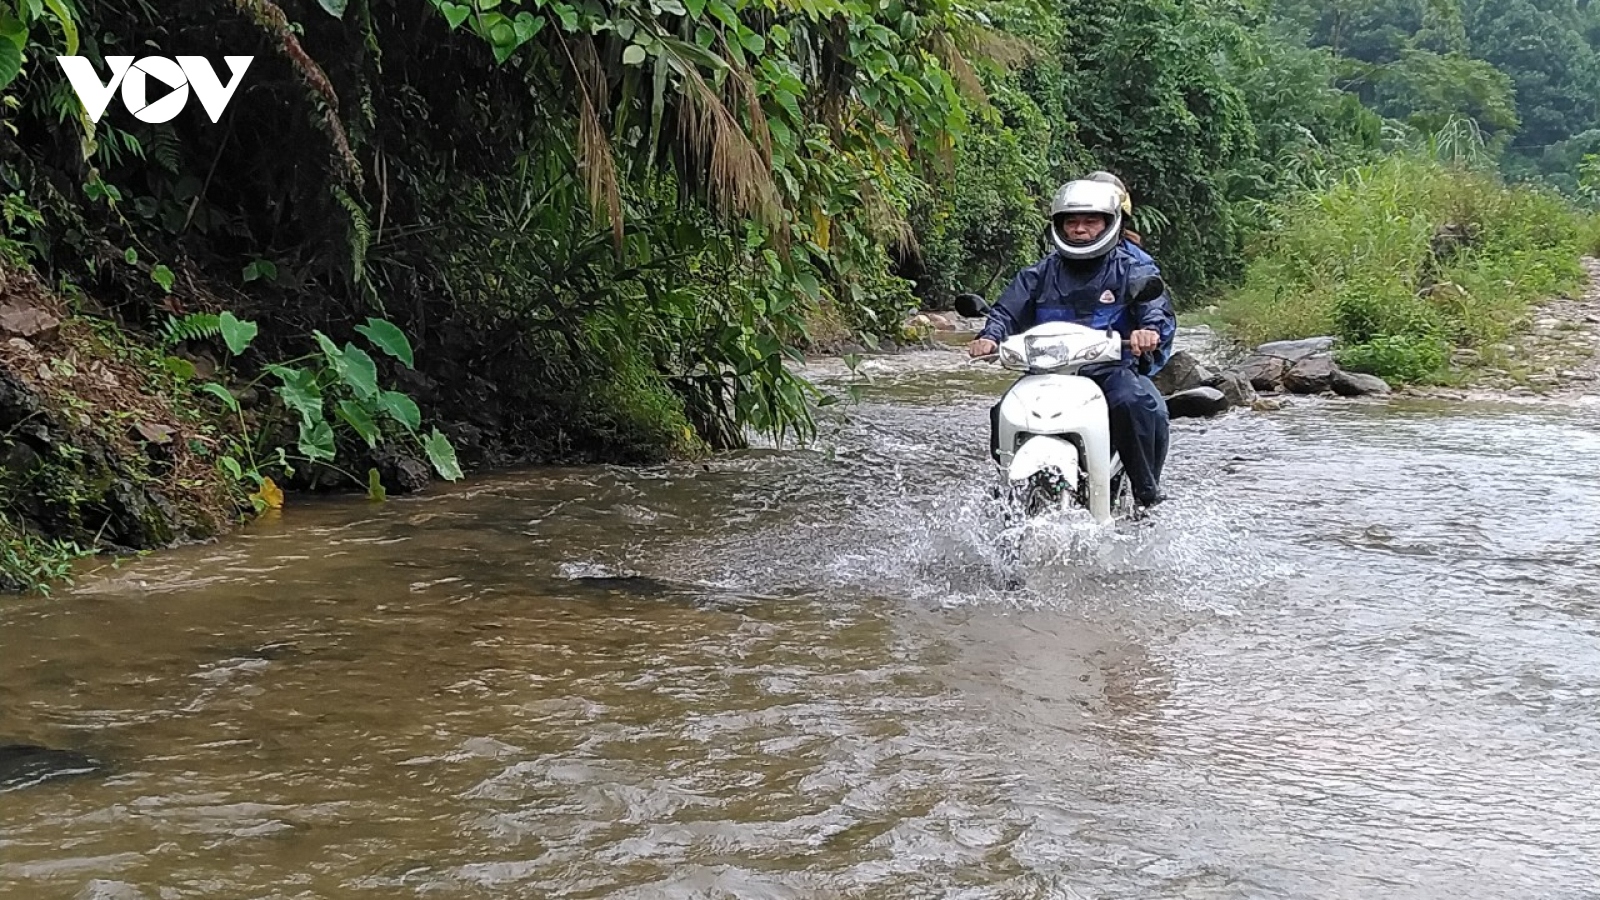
[
  {"x": 360, "y": 372},
  {"x": 221, "y": 393},
  {"x": 359, "y": 419},
  {"x": 236, "y": 333},
  {"x": 300, "y": 391},
  {"x": 443, "y": 455},
  {"x": 316, "y": 440},
  {"x": 401, "y": 408},
  {"x": 332, "y": 352},
  {"x": 386, "y": 337},
  {"x": 375, "y": 489}
]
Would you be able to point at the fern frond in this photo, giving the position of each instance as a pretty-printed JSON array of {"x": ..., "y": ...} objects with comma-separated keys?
[
  {"x": 163, "y": 149},
  {"x": 192, "y": 327}
]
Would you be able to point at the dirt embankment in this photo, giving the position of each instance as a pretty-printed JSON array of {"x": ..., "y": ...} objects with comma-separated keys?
[{"x": 94, "y": 450}]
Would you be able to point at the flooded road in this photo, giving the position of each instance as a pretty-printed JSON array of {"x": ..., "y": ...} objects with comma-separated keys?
[{"x": 1357, "y": 656}]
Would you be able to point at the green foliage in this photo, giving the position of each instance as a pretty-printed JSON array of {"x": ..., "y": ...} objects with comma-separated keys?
[
  {"x": 1405, "y": 260},
  {"x": 335, "y": 385},
  {"x": 1398, "y": 357},
  {"x": 31, "y": 562}
]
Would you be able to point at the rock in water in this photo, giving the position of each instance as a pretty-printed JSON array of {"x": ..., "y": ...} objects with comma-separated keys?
[
  {"x": 1356, "y": 384},
  {"x": 1265, "y": 373},
  {"x": 1196, "y": 403},
  {"x": 1310, "y": 375},
  {"x": 1234, "y": 386},
  {"x": 25, "y": 765},
  {"x": 1181, "y": 373}
]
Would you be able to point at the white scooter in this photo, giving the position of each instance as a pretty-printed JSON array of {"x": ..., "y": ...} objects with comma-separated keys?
[{"x": 1050, "y": 433}]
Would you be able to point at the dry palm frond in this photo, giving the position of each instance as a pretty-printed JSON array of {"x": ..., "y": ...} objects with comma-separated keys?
[
  {"x": 997, "y": 46},
  {"x": 887, "y": 224},
  {"x": 594, "y": 149},
  {"x": 960, "y": 70},
  {"x": 740, "y": 177},
  {"x": 745, "y": 84}
]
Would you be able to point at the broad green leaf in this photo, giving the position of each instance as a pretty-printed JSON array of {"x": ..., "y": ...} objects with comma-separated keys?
[
  {"x": 790, "y": 105},
  {"x": 808, "y": 283},
  {"x": 236, "y": 333},
  {"x": 130, "y": 256},
  {"x": 360, "y": 372},
  {"x": 335, "y": 8},
  {"x": 69, "y": 28},
  {"x": 357, "y": 417},
  {"x": 260, "y": 268},
  {"x": 316, "y": 440},
  {"x": 233, "y": 467},
  {"x": 13, "y": 31},
  {"x": 375, "y": 489},
  {"x": 724, "y": 14},
  {"x": 386, "y": 337},
  {"x": 300, "y": 392},
  {"x": 163, "y": 276},
  {"x": 401, "y": 408},
  {"x": 442, "y": 455},
  {"x": 331, "y": 351},
  {"x": 633, "y": 56},
  {"x": 455, "y": 14},
  {"x": 221, "y": 393},
  {"x": 527, "y": 25},
  {"x": 696, "y": 7},
  {"x": 670, "y": 7}
]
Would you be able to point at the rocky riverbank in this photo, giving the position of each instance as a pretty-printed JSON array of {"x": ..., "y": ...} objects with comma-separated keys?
[{"x": 1554, "y": 355}]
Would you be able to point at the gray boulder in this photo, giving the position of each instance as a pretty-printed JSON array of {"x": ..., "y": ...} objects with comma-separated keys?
[
  {"x": 1234, "y": 386},
  {"x": 1356, "y": 384},
  {"x": 1181, "y": 373},
  {"x": 1294, "y": 351},
  {"x": 1196, "y": 403},
  {"x": 1265, "y": 373},
  {"x": 1310, "y": 375}
]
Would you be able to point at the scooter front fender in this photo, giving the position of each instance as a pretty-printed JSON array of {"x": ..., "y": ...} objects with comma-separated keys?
[{"x": 1040, "y": 453}]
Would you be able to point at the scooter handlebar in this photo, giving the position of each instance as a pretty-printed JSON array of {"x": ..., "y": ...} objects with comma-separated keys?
[{"x": 996, "y": 355}]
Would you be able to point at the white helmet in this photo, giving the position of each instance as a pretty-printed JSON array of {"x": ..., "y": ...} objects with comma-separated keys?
[{"x": 1093, "y": 197}]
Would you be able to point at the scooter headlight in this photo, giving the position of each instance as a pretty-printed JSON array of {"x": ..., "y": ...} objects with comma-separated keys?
[
  {"x": 1089, "y": 352},
  {"x": 1047, "y": 352},
  {"x": 1011, "y": 359}
]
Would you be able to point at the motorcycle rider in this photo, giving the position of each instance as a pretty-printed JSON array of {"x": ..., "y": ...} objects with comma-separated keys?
[{"x": 1086, "y": 280}]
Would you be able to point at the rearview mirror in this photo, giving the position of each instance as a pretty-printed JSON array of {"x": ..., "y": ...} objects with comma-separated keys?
[
  {"x": 971, "y": 306},
  {"x": 1144, "y": 288}
]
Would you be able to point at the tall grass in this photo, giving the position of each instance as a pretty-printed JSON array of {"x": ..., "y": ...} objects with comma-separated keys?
[{"x": 1408, "y": 258}]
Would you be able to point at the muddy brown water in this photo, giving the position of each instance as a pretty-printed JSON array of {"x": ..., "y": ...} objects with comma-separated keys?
[{"x": 1357, "y": 656}]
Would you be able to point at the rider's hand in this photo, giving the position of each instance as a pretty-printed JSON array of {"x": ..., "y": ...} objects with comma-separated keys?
[
  {"x": 982, "y": 347},
  {"x": 1143, "y": 341}
]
